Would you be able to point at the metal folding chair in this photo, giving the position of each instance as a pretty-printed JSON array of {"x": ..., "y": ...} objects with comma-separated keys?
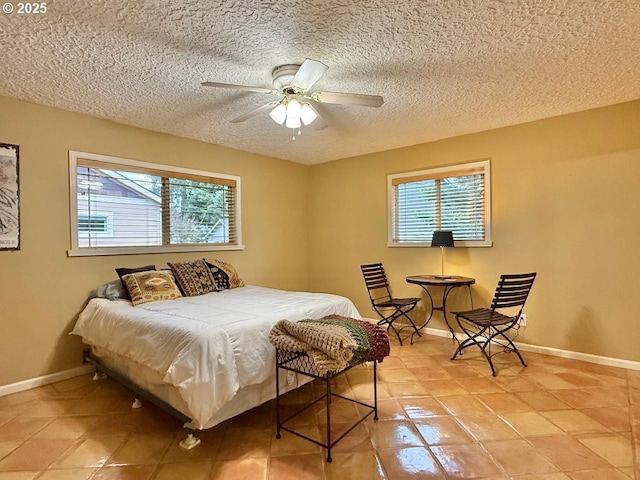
[
  {"x": 383, "y": 302},
  {"x": 485, "y": 327}
]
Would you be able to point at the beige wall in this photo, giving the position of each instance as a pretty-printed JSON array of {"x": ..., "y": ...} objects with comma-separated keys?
[
  {"x": 42, "y": 290},
  {"x": 559, "y": 187},
  {"x": 566, "y": 204}
]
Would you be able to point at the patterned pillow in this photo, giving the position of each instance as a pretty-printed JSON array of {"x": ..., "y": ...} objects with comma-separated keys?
[
  {"x": 122, "y": 271},
  {"x": 224, "y": 274},
  {"x": 150, "y": 286},
  {"x": 194, "y": 277}
]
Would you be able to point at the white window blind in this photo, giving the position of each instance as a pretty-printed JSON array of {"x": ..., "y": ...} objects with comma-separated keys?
[
  {"x": 451, "y": 198},
  {"x": 124, "y": 206}
]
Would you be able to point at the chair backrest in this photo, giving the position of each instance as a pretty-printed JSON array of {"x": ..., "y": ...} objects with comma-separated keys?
[
  {"x": 512, "y": 291},
  {"x": 376, "y": 282}
]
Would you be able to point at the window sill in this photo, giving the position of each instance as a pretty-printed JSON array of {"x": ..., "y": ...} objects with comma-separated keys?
[{"x": 90, "y": 252}]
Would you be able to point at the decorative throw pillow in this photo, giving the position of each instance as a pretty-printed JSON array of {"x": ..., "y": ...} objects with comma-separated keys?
[
  {"x": 150, "y": 286},
  {"x": 194, "y": 277},
  {"x": 122, "y": 271},
  {"x": 224, "y": 274}
]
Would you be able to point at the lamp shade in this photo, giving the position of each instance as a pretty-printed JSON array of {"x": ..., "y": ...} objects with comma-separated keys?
[
  {"x": 442, "y": 238},
  {"x": 307, "y": 114},
  {"x": 279, "y": 114}
]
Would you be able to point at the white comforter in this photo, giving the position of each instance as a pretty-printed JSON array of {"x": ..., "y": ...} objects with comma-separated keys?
[{"x": 207, "y": 346}]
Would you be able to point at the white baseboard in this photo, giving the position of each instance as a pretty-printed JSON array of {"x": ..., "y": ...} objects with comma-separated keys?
[
  {"x": 586, "y": 357},
  {"x": 44, "y": 380}
]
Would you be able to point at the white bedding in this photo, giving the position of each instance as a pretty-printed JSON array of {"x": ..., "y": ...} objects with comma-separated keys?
[{"x": 208, "y": 346}]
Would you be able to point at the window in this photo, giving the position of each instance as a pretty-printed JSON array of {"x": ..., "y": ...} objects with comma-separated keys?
[
  {"x": 453, "y": 198},
  {"x": 121, "y": 206}
]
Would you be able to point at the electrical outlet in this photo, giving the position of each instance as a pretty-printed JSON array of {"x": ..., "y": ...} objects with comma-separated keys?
[{"x": 523, "y": 320}]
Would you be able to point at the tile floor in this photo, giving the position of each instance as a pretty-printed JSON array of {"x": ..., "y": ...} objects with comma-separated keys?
[{"x": 438, "y": 419}]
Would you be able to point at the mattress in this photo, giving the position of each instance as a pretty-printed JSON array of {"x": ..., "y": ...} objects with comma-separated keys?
[{"x": 208, "y": 347}]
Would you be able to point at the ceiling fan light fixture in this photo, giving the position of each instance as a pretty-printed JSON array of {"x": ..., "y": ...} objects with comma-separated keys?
[
  {"x": 279, "y": 114},
  {"x": 307, "y": 114},
  {"x": 292, "y": 122},
  {"x": 294, "y": 109}
]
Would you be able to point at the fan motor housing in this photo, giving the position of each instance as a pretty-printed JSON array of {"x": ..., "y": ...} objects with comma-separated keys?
[{"x": 283, "y": 76}]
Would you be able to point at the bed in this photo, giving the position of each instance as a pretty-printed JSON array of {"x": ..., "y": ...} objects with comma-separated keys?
[{"x": 207, "y": 356}]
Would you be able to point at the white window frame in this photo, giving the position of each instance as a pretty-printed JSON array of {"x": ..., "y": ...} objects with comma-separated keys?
[
  {"x": 440, "y": 172},
  {"x": 76, "y": 250}
]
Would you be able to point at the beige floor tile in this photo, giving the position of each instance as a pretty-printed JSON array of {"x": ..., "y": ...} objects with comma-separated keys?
[
  {"x": 289, "y": 444},
  {"x": 422, "y": 407},
  {"x": 394, "y": 434},
  {"x": 357, "y": 440},
  {"x": 463, "y": 405},
  {"x": 600, "y": 474},
  {"x": 613, "y": 448},
  {"x": 140, "y": 450},
  {"x": 8, "y": 447},
  {"x": 504, "y": 402},
  {"x": 481, "y": 385},
  {"x": 21, "y": 428},
  {"x": 245, "y": 442},
  {"x": 19, "y": 475},
  {"x": 567, "y": 453},
  {"x": 531, "y": 424},
  {"x": 573, "y": 421},
  {"x": 594, "y": 397},
  {"x": 390, "y": 409},
  {"x": 407, "y": 389},
  {"x": 396, "y": 375},
  {"x": 66, "y": 427},
  {"x": 445, "y": 387},
  {"x": 242, "y": 469},
  {"x": 616, "y": 419},
  {"x": 465, "y": 461},
  {"x": 299, "y": 467},
  {"x": 349, "y": 465},
  {"x": 410, "y": 463},
  {"x": 442, "y": 431},
  {"x": 487, "y": 427},
  {"x": 541, "y": 400},
  {"x": 430, "y": 372},
  {"x": 187, "y": 471},
  {"x": 68, "y": 474},
  {"x": 34, "y": 455},
  {"x": 89, "y": 452},
  {"x": 517, "y": 457},
  {"x": 127, "y": 472}
]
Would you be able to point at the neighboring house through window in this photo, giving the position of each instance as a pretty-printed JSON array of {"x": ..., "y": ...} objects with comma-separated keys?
[{"x": 125, "y": 206}]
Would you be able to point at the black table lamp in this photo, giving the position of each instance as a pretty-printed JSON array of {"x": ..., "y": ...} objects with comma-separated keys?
[{"x": 442, "y": 238}]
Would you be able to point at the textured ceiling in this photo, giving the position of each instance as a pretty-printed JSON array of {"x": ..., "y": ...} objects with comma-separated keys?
[{"x": 443, "y": 68}]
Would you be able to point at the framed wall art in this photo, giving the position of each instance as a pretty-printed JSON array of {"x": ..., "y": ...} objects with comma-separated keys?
[{"x": 9, "y": 197}]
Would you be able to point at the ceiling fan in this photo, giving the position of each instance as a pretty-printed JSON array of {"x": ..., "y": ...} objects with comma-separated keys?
[{"x": 297, "y": 103}]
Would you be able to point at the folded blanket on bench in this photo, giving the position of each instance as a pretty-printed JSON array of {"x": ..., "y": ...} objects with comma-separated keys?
[{"x": 332, "y": 342}]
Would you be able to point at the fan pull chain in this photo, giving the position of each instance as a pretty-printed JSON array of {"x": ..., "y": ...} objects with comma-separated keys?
[{"x": 294, "y": 133}]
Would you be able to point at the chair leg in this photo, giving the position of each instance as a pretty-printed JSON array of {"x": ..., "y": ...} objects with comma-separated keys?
[
  {"x": 510, "y": 342},
  {"x": 472, "y": 339},
  {"x": 388, "y": 321}
]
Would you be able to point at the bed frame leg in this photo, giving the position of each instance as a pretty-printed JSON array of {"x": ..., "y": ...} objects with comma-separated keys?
[
  {"x": 98, "y": 375},
  {"x": 189, "y": 442},
  {"x": 137, "y": 403}
]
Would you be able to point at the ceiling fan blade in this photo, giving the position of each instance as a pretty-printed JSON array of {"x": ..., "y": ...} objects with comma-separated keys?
[
  {"x": 254, "y": 112},
  {"x": 309, "y": 73},
  {"x": 237, "y": 87},
  {"x": 348, "y": 99}
]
